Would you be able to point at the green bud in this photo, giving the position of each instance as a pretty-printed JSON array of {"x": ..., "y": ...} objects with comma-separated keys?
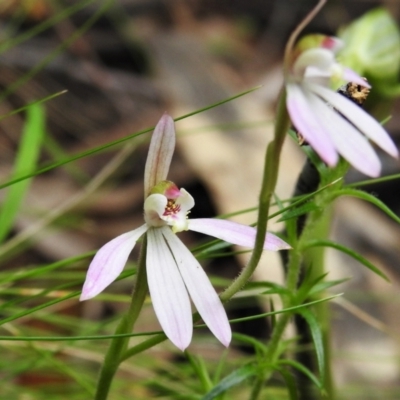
[
  {"x": 311, "y": 42},
  {"x": 372, "y": 46},
  {"x": 161, "y": 187},
  {"x": 166, "y": 188}
]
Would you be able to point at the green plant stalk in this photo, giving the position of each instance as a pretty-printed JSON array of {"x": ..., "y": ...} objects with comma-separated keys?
[
  {"x": 118, "y": 346},
  {"x": 200, "y": 370},
  {"x": 273, "y": 349},
  {"x": 270, "y": 177},
  {"x": 317, "y": 226}
]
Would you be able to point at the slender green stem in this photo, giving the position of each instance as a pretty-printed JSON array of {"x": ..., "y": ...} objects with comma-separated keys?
[
  {"x": 118, "y": 346},
  {"x": 273, "y": 345},
  {"x": 316, "y": 220},
  {"x": 270, "y": 176},
  {"x": 295, "y": 34},
  {"x": 317, "y": 226}
]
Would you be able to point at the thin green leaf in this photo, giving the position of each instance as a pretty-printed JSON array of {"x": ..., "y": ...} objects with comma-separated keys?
[
  {"x": 322, "y": 286},
  {"x": 302, "y": 369},
  {"x": 374, "y": 181},
  {"x": 261, "y": 348},
  {"x": 39, "y": 307},
  {"x": 101, "y": 148},
  {"x": 298, "y": 211},
  {"x": 26, "y": 159},
  {"x": 157, "y": 337},
  {"x": 273, "y": 288},
  {"x": 302, "y": 199},
  {"x": 136, "y": 349},
  {"x": 307, "y": 284},
  {"x": 200, "y": 370},
  {"x": 145, "y": 345},
  {"x": 313, "y": 156},
  {"x": 233, "y": 379},
  {"x": 370, "y": 198},
  {"x": 46, "y": 24},
  {"x": 12, "y": 87},
  {"x": 25, "y": 107},
  {"x": 37, "y": 271},
  {"x": 317, "y": 338},
  {"x": 284, "y": 310},
  {"x": 273, "y": 316},
  {"x": 57, "y": 152},
  {"x": 59, "y": 288},
  {"x": 171, "y": 389},
  {"x": 220, "y": 366},
  {"x": 290, "y": 383},
  {"x": 346, "y": 250},
  {"x": 87, "y": 384},
  {"x": 278, "y": 201}
]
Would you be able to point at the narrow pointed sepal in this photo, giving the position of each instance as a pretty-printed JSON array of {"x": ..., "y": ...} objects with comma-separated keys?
[
  {"x": 109, "y": 262},
  {"x": 161, "y": 149},
  {"x": 351, "y": 144},
  {"x": 359, "y": 118},
  {"x": 200, "y": 289},
  {"x": 308, "y": 124},
  {"x": 168, "y": 293},
  {"x": 232, "y": 232}
]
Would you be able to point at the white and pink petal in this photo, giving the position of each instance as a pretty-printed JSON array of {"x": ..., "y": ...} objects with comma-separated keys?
[
  {"x": 168, "y": 293},
  {"x": 232, "y": 232},
  {"x": 348, "y": 141},
  {"x": 307, "y": 123},
  {"x": 357, "y": 116},
  {"x": 160, "y": 154},
  {"x": 154, "y": 208},
  {"x": 200, "y": 289},
  {"x": 318, "y": 58},
  {"x": 109, "y": 262}
]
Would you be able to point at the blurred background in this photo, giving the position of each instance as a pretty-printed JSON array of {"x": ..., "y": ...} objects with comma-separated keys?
[{"x": 123, "y": 64}]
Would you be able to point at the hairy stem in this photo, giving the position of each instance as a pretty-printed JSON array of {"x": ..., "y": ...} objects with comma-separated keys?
[{"x": 270, "y": 176}]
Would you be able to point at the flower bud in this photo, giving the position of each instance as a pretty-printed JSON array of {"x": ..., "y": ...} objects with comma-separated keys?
[{"x": 372, "y": 46}]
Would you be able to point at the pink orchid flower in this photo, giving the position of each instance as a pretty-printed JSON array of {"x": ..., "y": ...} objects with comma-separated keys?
[
  {"x": 173, "y": 272},
  {"x": 331, "y": 123}
]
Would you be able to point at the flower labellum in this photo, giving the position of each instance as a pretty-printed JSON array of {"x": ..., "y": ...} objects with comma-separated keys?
[
  {"x": 329, "y": 122},
  {"x": 173, "y": 273}
]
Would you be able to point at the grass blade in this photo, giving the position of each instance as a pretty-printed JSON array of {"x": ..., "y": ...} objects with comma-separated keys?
[{"x": 26, "y": 160}]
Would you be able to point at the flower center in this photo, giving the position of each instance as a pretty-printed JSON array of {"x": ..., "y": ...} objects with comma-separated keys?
[
  {"x": 167, "y": 205},
  {"x": 171, "y": 208}
]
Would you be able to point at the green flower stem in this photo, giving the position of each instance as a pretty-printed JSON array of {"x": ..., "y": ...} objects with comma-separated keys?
[
  {"x": 270, "y": 176},
  {"x": 273, "y": 349},
  {"x": 316, "y": 225},
  {"x": 118, "y": 346}
]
